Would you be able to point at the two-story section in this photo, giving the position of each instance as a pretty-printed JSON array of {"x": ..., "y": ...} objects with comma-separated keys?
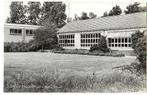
[{"x": 19, "y": 32}]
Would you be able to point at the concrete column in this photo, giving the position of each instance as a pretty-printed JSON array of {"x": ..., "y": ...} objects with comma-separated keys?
[{"x": 77, "y": 41}]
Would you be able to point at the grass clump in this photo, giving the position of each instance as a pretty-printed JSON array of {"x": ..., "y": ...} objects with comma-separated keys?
[{"x": 55, "y": 82}]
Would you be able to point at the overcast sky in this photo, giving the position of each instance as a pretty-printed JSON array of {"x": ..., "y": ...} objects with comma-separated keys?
[{"x": 79, "y": 6}]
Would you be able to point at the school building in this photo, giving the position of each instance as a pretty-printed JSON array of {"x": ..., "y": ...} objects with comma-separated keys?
[{"x": 82, "y": 34}]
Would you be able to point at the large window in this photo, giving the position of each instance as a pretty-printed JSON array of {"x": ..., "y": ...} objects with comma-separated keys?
[
  {"x": 90, "y": 39},
  {"x": 29, "y": 32},
  {"x": 119, "y": 42},
  {"x": 15, "y": 32},
  {"x": 66, "y": 40}
]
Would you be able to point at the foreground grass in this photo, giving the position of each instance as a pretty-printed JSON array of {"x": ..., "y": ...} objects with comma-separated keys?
[
  {"x": 47, "y": 72},
  {"x": 114, "y": 81}
]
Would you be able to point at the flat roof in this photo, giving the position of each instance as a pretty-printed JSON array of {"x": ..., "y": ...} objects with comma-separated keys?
[
  {"x": 12, "y": 25},
  {"x": 128, "y": 21}
]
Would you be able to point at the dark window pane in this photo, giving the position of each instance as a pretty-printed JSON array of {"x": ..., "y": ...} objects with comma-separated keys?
[
  {"x": 115, "y": 40},
  {"x": 122, "y": 45},
  {"x": 129, "y": 39},
  {"x": 122, "y": 40},
  {"x": 109, "y": 40},
  {"x": 125, "y": 45},
  {"x": 112, "y": 45},
  {"x": 119, "y": 40},
  {"x": 112, "y": 40},
  {"x": 125, "y": 40}
]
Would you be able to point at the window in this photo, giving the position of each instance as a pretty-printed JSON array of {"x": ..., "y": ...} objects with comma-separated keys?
[
  {"x": 119, "y": 42},
  {"x": 89, "y": 39},
  {"x": 15, "y": 32},
  {"x": 66, "y": 40},
  {"x": 29, "y": 32}
]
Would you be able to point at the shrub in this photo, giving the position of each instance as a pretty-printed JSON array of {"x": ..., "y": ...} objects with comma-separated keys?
[
  {"x": 102, "y": 46},
  {"x": 141, "y": 52},
  {"x": 20, "y": 47},
  {"x": 57, "y": 48},
  {"x": 139, "y": 45},
  {"x": 135, "y": 38}
]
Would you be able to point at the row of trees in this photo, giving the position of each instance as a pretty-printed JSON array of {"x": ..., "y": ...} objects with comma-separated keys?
[
  {"x": 132, "y": 8},
  {"x": 35, "y": 14},
  {"x": 116, "y": 10}
]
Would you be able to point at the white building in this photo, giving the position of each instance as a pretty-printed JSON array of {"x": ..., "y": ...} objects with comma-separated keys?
[
  {"x": 18, "y": 32},
  {"x": 83, "y": 34}
]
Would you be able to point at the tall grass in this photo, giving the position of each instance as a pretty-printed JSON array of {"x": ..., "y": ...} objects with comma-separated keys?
[{"x": 55, "y": 82}]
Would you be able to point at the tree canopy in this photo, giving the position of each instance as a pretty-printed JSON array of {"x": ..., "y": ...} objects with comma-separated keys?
[
  {"x": 17, "y": 13},
  {"x": 92, "y": 15},
  {"x": 35, "y": 14},
  {"x": 45, "y": 36},
  {"x": 116, "y": 10},
  {"x": 133, "y": 8},
  {"x": 54, "y": 12},
  {"x": 84, "y": 16},
  {"x": 34, "y": 9}
]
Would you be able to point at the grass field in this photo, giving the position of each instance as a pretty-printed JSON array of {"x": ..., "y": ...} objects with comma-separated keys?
[{"x": 76, "y": 72}]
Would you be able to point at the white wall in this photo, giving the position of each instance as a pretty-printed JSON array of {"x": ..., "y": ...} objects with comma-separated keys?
[
  {"x": 11, "y": 38},
  {"x": 18, "y": 38}
]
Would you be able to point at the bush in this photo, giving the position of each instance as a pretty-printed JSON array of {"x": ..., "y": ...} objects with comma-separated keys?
[
  {"x": 57, "y": 48},
  {"x": 135, "y": 38},
  {"x": 141, "y": 52},
  {"x": 20, "y": 47},
  {"x": 139, "y": 45},
  {"x": 102, "y": 46}
]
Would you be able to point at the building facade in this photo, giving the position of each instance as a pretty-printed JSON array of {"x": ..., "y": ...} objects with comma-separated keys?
[
  {"x": 19, "y": 32},
  {"x": 83, "y": 34}
]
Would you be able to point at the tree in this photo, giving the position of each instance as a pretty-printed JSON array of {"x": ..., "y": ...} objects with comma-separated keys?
[
  {"x": 54, "y": 12},
  {"x": 76, "y": 17},
  {"x": 45, "y": 36},
  {"x": 115, "y": 11},
  {"x": 17, "y": 13},
  {"x": 34, "y": 10},
  {"x": 133, "y": 8},
  {"x": 92, "y": 15},
  {"x": 105, "y": 14},
  {"x": 84, "y": 16}
]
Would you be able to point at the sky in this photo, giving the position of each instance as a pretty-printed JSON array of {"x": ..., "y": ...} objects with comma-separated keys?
[{"x": 78, "y": 6}]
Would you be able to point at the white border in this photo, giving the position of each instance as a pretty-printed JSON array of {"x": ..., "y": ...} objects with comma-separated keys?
[{"x": 2, "y": 9}]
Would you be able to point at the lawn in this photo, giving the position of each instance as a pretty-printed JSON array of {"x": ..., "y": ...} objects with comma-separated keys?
[{"x": 74, "y": 67}]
